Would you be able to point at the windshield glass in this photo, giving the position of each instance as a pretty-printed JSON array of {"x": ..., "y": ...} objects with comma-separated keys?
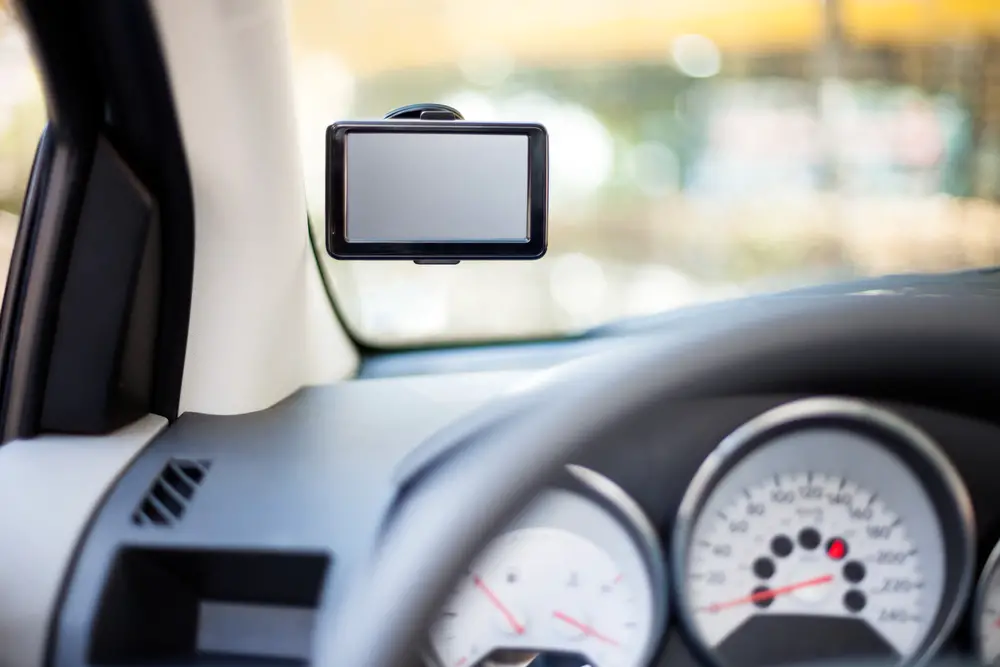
[{"x": 698, "y": 150}]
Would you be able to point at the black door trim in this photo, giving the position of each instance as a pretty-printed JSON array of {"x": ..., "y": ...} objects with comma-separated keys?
[{"x": 104, "y": 75}]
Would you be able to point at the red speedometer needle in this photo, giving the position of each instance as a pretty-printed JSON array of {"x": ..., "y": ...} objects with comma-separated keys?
[
  {"x": 770, "y": 594},
  {"x": 584, "y": 628},
  {"x": 500, "y": 606}
]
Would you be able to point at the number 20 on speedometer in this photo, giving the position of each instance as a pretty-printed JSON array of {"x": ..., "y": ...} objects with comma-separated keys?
[{"x": 819, "y": 531}]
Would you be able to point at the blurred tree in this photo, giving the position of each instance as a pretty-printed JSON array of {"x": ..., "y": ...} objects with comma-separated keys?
[
  {"x": 17, "y": 147},
  {"x": 22, "y": 111}
]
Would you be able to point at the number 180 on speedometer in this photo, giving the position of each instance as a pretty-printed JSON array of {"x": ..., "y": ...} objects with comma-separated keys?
[
  {"x": 825, "y": 532},
  {"x": 807, "y": 544}
]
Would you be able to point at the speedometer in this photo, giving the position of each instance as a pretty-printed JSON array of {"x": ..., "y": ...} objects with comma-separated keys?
[{"x": 826, "y": 528}]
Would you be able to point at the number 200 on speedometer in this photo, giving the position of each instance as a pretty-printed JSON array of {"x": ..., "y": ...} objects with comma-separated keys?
[{"x": 812, "y": 534}]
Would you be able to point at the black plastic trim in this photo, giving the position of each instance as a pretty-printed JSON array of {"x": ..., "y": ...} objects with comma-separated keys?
[
  {"x": 89, "y": 389},
  {"x": 52, "y": 206},
  {"x": 64, "y": 60},
  {"x": 50, "y": 233},
  {"x": 104, "y": 76},
  {"x": 13, "y": 297},
  {"x": 145, "y": 130},
  {"x": 149, "y": 607}
]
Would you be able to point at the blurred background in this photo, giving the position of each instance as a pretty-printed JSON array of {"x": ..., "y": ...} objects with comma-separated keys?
[
  {"x": 698, "y": 150},
  {"x": 22, "y": 117}
]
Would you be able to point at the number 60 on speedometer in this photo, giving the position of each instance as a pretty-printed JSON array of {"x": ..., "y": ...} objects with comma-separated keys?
[{"x": 823, "y": 529}]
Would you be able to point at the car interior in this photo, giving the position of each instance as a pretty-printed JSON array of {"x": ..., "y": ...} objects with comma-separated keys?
[{"x": 205, "y": 460}]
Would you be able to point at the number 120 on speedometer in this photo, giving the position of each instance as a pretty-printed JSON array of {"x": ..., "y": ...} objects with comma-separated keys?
[{"x": 818, "y": 539}]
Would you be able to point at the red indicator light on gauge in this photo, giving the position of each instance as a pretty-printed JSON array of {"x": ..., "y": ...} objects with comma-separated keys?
[{"x": 836, "y": 548}]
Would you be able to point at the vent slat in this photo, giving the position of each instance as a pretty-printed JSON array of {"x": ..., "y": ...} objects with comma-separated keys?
[
  {"x": 193, "y": 483},
  {"x": 163, "y": 511},
  {"x": 177, "y": 482},
  {"x": 171, "y": 493},
  {"x": 175, "y": 493},
  {"x": 148, "y": 510}
]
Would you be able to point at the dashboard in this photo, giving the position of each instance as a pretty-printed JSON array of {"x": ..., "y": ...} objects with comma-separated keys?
[{"x": 733, "y": 531}]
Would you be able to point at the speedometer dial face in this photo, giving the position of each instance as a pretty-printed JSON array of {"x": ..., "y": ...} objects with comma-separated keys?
[
  {"x": 577, "y": 580},
  {"x": 812, "y": 544},
  {"x": 816, "y": 532}
]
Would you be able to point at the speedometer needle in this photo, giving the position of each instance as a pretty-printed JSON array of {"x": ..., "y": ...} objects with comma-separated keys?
[
  {"x": 584, "y": 628},
  {"x": 769, "y": 594},
  {"x": 495, "y": 601}
]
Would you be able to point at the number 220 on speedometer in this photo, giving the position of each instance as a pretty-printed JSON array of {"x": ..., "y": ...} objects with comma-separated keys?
[
  {"x": 825, "y": 529},
  {"x": 808, "y": 544}
]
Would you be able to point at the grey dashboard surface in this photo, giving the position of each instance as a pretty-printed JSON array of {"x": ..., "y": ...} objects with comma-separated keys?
[
  {"x": 314, "y": 473},
  {"x": 543, "y": 354}
]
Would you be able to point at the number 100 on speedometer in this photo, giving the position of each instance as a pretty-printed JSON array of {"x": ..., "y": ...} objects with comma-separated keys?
[{"x": 822, "y": 535}]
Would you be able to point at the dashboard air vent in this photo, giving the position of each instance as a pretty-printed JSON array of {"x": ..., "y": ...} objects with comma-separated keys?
[{"x": 169, "y": 496}]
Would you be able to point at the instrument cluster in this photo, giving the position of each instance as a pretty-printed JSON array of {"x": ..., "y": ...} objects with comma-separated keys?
[{"x": 825, "y": 528}]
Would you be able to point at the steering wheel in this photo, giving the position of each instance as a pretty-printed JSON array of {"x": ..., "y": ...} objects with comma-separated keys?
[{"x": 446, "y": 516}]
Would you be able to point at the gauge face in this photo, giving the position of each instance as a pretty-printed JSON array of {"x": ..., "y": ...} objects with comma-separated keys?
[
  {"x": 544, "y": 589},
  {"x": 987, "y": 614},
  {"x": 820, "y": 542},
  {"x": 567, "y": 579},
  {"x": 812, "y": 544}
]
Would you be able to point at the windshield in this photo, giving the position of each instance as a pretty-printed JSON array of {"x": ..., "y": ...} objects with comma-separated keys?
[{"x": 698, "y": 150}]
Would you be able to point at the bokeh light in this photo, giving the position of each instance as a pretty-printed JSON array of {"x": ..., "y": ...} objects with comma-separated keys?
[
  {"x": 487, "y": 65},
  {"x": 696, "y": 56},
  {"x": 654, "y": 167}
]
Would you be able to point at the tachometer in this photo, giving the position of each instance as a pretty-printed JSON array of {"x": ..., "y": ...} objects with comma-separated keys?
[
  {"x": 577, "y": 580},
  {"x": 545, "y": 589},
  {"x": 825, "y": 528}
]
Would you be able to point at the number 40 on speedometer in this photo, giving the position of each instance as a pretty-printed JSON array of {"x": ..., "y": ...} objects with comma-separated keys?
[
  {"x": 811, "y": 534},
  {"x": 809, "y": 544}
]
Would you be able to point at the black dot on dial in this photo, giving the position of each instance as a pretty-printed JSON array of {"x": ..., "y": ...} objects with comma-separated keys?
[
  {"x": 763, "y": 568},
  {"x": 854, "y": 601},
  {"x": 854, "y": 572},
  {"x": 809, "y": 538},
  {"x": 781, "y": 546},
  {"x": 762, "y": 598}
]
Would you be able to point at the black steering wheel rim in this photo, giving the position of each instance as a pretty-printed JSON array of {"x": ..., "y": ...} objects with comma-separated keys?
[{"x": 805, "y": 345}]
